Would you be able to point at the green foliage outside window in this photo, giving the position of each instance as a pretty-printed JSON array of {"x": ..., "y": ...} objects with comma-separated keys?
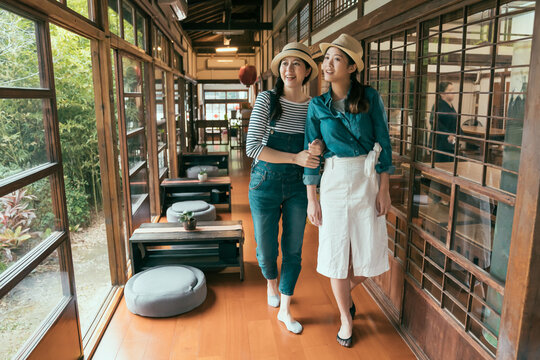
[{"x": 23, "y": 123}]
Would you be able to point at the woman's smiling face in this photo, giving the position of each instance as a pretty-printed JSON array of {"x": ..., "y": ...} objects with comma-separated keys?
[
  {"x": 336, "y": 66},
  {"x": 293, "y": 71}
]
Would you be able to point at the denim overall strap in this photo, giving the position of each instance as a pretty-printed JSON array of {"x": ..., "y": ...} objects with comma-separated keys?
[{"x": 291, "y": 143}]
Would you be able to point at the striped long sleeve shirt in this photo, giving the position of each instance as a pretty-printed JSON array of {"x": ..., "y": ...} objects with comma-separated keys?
[{"x": 291, "y": 121}]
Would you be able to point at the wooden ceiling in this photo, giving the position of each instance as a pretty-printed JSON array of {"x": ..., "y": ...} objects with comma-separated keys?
[{"x": 208, "y": 22}]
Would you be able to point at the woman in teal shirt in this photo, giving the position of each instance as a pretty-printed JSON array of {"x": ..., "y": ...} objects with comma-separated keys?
[{"x": 354, "y": 193}]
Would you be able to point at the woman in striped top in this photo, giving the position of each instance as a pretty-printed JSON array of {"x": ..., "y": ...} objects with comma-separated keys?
[{"x": 275, "y": 140}]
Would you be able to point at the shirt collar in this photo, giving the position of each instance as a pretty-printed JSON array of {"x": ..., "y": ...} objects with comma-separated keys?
[{"x": 327, "y": 96}]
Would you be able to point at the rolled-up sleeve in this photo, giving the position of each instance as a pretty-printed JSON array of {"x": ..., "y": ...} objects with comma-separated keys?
[
  {"x": 313, "y": 131},
  {"x": 380, "y": 124},
  {"x": 257, "y": 125}
]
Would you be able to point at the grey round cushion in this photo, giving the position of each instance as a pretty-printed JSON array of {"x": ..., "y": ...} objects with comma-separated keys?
[
  {"x": 165, "y": 291},
  {"x": 193, "y": 171},
  {"x": 201, "y": 210}
]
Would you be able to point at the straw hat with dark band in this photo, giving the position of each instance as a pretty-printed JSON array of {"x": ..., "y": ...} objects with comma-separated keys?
[
  {"x": 298, "y": 50},
  {"x": 349, "y": 45}
]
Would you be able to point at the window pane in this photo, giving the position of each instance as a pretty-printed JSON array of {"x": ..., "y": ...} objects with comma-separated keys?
[
  {"x": 132, "y": 75},
  {"x": 27, "y": 218},
  {"x": 293, "y": 29},
  {"x": 482, "y": 229},
  {"x": 162, "y": 160},
  {"x": 160, "y": 96},
  {"x": 452, "y": 306},
  {"x": 221, "y": 95},
  {"x": 80, "y": 6},
  {"x": 141, "y": 31},
  {"x": 19, "y": 65},
  {"x": 136, "y": 153},
  {"x": 114, "y": 19},
  {"x": 431, "y": 207},
  {"x": 304, "y": 21},
  {"x": 399, "y": 186},
  {"x": 134, "y": 114},
  {"x": 22, "y": 134},
  {"x": 129, "y": 30},
  {"x": 138, "y": 185},
  {"x": 162, "y": 134},
  {"x": 28, "y": 303}
]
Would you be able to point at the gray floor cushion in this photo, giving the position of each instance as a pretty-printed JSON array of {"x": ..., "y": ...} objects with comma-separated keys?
[
  {"x": 201, "y": 210},
  {"x": 193, "y": 171},
  {"x": 165, "y": 291}
]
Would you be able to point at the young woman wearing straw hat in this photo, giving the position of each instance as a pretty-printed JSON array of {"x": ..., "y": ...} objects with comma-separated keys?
[
  {"x": 275, "y": 140},
  {"x": 354, "y": 188}
]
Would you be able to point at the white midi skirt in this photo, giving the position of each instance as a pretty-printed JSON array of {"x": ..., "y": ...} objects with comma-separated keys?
[{"x": 350, "y": 226}]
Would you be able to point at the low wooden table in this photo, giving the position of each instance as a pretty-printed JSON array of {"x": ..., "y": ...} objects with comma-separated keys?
[
  {"x": 169, "y": 187},
  {"x": 214, "y": 244}
]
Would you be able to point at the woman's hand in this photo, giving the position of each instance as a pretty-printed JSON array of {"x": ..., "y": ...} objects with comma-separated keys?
[
  {"x": 316, "y": 147},
  {"x": 305, "y": 159},
  {"x": 314, "y": 212},
  {"x": 383, "y": 201}
]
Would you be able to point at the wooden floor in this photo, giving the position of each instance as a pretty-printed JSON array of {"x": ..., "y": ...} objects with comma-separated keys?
[{"x": 236, "y": 323}]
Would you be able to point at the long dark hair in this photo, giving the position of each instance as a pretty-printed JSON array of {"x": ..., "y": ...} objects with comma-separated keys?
[
  {"x": 356, "y": 101},
  {"x": 443, "y": 85},
  {"x": 278, "y": 89}
]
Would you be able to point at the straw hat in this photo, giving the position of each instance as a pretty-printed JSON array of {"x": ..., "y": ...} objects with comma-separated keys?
[
  {"x": 298, "y": 50},
  {"x": 348, "y": 44}
]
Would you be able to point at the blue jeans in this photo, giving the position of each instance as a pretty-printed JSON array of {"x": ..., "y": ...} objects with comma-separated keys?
[{"x": 277, "y": 190}]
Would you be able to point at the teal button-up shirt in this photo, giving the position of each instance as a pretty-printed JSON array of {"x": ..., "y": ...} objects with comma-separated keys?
[{"x": 348, "y": 135}]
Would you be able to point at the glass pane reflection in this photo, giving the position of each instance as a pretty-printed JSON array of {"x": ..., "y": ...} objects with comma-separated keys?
[
  {"x": 29, "y": 303},
  {"x": 431, "y": 206}
]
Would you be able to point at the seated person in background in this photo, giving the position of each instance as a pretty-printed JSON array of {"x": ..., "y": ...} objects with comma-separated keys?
[{"x": 446, "y": 122}]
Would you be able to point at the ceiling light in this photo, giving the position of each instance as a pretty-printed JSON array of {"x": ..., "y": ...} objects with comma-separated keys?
[
  {"x": 228, "y": 32},
  {"x": 224, "y": 60},
  {"x": 226, "y": 41},
  {"x": 227, "y": 49}
]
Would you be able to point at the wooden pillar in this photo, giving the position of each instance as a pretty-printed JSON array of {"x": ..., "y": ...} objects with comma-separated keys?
[
  {"x": 519, "y": 336},
  {"x": 171, "y": 126},
  {"x": 106, "y": 125},
  {"x": 151, "y": 138},
  {"x": 108, "y": 155}
]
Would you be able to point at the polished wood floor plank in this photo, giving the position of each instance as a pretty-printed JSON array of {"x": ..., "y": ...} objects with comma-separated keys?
[
  {"x": 235, "y": 321},
  {"x": 262, "y": 344}
]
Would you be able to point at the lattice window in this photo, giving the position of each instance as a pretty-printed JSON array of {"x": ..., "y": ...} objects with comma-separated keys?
[
  {"x": 324, "y": 10},
  {"x": 304, "y": 22},
  {"x": 464, "y": 104},
  {"x": 292, "y": 34}
]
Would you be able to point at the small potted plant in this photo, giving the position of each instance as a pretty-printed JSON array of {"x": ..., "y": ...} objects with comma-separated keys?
[
  {"x": 203, "y": 175},
  {"x": 186, "y": 218},
  {"x": 204, "y": 149}
]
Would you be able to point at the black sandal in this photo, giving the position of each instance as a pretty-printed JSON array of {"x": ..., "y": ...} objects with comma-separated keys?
[
  {"x": 352, "y": 310},
  {"x": 345, "y": 342}
]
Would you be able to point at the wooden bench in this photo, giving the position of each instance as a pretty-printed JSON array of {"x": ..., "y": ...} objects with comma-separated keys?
[{"x": 213, "y": 245}]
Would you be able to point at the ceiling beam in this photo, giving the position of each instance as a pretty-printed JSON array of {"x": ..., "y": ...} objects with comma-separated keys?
[
  {"x": 247, "y": 3},
  {"x": 213, "y": 44},
  {"x": 233, "y": 25}
]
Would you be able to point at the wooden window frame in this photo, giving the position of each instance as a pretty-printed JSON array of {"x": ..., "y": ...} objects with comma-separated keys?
[{"x": 456, "y": 183}]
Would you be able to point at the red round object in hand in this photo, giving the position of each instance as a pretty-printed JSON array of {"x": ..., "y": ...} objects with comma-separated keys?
[{"x": 247, "y": 75}]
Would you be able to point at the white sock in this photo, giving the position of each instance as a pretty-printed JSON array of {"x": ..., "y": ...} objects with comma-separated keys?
[
  {"x": 273, "y": 300},
  {"x": 293, "y": 326}
]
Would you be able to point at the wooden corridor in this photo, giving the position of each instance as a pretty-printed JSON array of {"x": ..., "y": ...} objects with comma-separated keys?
[{"x": 235, "y": 321}]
